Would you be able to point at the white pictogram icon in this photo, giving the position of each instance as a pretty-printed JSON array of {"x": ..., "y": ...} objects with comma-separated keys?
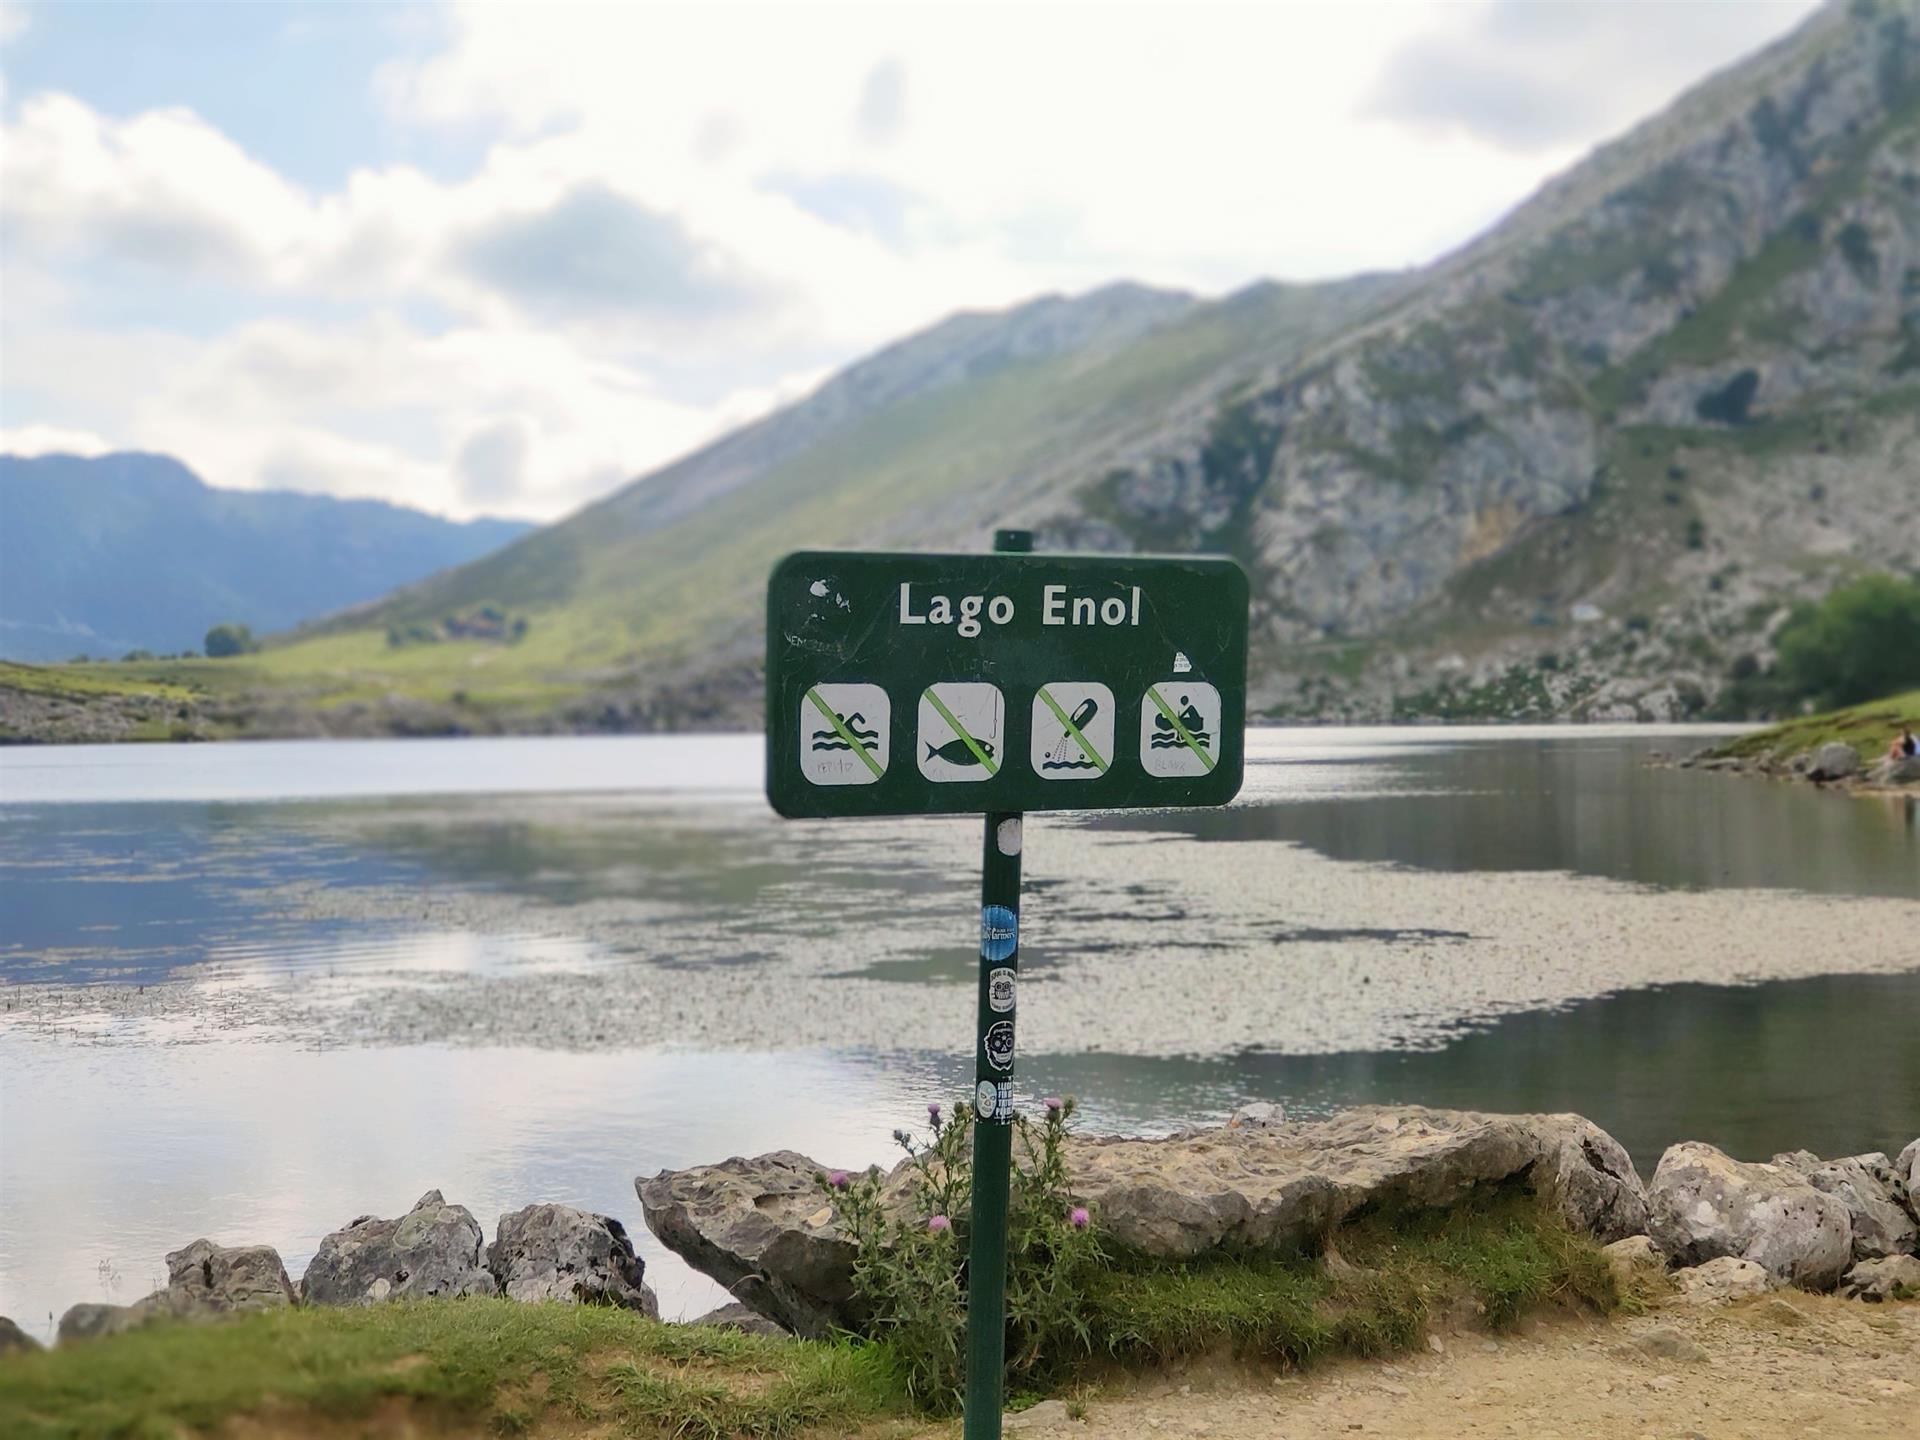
[
  {"x": 1072, "y": 730},
  {"x": 1179, "y": 728},
  {"x": 844, "y": 733},
  {"x": 962, "y": 727}
]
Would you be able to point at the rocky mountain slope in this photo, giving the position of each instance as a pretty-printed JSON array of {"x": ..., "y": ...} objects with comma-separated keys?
[
  {"x": 131, "y": 551},
  {"x": 1579, "y": 468}
]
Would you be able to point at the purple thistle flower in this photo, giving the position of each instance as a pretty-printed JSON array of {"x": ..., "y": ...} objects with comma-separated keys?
[
  {"x": 1053, "y": 1104},
  {"x": 839, "y": 1180},
  {"x": 1078, "y": 1217},
  {"x": 933, "y": 1111},
  {"x": 939, "y": 1223}
]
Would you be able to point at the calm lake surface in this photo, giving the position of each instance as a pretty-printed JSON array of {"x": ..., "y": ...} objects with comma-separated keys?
[{"x": 259, "y": 893}]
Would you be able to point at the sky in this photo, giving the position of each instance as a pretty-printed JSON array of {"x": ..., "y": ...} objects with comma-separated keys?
[{"x": 502, "y": 259}]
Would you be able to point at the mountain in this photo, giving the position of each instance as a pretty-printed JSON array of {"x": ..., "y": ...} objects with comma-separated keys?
[
  {"x": 1580, "y": 467},
  {"x": 133, "y": 551}
]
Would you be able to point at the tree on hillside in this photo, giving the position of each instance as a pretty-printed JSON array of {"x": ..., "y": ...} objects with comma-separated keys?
[
  {"x": 1860, "y": 643},
  {"x": 230, "y": 639}
]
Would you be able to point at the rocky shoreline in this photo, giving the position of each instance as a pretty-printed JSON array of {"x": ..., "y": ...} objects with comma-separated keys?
[
  {"x": 1835, "y": 764},
  {"x": 1717, "y": 1228}
]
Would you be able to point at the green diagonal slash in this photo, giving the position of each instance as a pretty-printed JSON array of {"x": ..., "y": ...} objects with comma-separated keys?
[
  {"x": 961, "y": 730},
  {"x": 845, "y": 734},
  {"x": 1073, "y": 730},
  {"x": 1153, "y": 694}
]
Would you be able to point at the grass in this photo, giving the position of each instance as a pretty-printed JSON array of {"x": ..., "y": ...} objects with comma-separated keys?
[
  {"x": 1867, "y": 727},
  {"x": 90, "y": 682},
  {"x": 463, "y": 1364},
  {"x": 471, "y": 1365}
]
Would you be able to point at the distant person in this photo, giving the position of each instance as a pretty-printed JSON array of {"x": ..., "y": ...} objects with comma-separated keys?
[{"x": 1909, "y": 746}]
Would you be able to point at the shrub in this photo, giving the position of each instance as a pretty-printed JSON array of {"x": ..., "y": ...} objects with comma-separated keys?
[
  {"x": 230, "y": 639},
  {"x": 909, "y": 1269},
  {"x": 1861, "y": 642}
]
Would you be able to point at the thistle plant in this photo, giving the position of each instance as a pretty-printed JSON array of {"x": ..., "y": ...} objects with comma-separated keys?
[{"x": 910, "y": 1251}]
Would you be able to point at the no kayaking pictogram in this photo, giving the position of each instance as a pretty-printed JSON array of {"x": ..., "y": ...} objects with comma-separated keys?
[{"x": 1002, "y": 676}]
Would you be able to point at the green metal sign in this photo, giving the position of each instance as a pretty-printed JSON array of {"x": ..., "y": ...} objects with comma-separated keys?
[
  {"x": 917, "y": 684},
  {"x": 914, "y": 684}
]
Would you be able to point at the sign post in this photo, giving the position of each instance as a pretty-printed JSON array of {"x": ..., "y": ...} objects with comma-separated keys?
[{"x": 923, "y": 684}]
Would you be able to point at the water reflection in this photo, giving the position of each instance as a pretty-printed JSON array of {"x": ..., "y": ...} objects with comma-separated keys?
[{"x": 1591, "y": 806}]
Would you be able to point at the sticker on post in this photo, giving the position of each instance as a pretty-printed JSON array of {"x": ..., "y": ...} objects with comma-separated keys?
[
  {"x": 1000, "y": 990},
  {"x": 960, "y": 731},
  {"x": 999, "y": 1044},
  {"x": 999, "y": 932},
  {"x": 1072, "y": 730},
  {"x": 844, "y": 734},
  {"x": 1180, "y": 728},
  {"x": 993, "y": 1100}
]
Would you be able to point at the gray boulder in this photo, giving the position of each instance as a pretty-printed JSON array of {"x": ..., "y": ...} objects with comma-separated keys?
[
  {"x": 1720, "y": 1281},
  {"x": 1706, "y": 1205},
  {"x": 434, "y": 1249},
  {"x": 554, "y": 1252},
  {"x": 13, "y": 1338},
  {"x": 1865, "y": 1184},
  {"x": 1904, "y": 771},
  {"x": 221, "y": 1278},
  {"x": 1906, "y": 1175},
  {"x": 738, "y": 1317},
  {"x": 1879, "y": 1279},
  {"x": 204, "y": 1281},
  {"x": 1836, "y": 760},
  {"x": 762, "y": 1228}
]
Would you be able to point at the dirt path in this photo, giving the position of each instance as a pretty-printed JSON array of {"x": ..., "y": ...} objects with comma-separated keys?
[{"x": 1800, "y": 1366}]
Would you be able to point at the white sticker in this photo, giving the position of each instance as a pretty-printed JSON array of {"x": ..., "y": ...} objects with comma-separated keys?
[
  {"x": 999, "y": 1044},
  {"x": 1179, "y": 728},
  {"x": 1072, "y": 730},
  {"x": 1008, "y": 836},
  {"x": 1003, "y": 1100},
  {"x": 960, "y": 736},
  {"x": 844, "y": 732},
  {"x": 1000, "y": 990},
  {"x": 985, "y": 1095}
]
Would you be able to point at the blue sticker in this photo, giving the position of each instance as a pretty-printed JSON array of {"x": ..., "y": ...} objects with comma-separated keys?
[{"x": 999, "y": 932}]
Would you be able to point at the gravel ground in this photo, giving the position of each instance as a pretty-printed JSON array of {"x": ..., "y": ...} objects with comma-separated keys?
[{"x": 1788, "y": 1365}]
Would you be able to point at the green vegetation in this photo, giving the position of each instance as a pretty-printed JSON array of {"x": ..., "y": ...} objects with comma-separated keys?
[
  {"x": 1861, "y": 642},
  {"x": 1076, "y": 1303},
  {"x": 470, "y": 1365},
  {"x": 463, "y": 1363},
  {"x": 1866, "y": 727},
  {"x": 225, "y": 641}
]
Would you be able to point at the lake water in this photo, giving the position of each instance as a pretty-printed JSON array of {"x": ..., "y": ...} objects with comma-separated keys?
[{"x": 252, "y": 991}]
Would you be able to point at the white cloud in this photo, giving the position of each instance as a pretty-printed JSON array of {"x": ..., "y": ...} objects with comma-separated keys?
[
  {"x": 693, "y": 211},
  {"x": 50, "y": 440}
]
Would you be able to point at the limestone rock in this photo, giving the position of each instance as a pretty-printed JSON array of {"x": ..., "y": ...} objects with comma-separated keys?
[
  {"x": 738, "y": 1317},
  {"x": 13, "y": 1338},
  {"x": 760, "y": 1226},
  {"x": 1906, "y": 1174},
  {"x": 90, "y": 1321},
  {"x": 1041, "y": 1419},
  {"x": 1633, "y": 1257},
  {"x": 1877, "y": 1279},
  {"x": 1663, "y": 1342},
  {"x": 554, "y": 1252},
  {"x": 1261, "y": 1115},
  {"x": 1706, "y": 1205},
  {"x": 1836, "y": 760},
  {"x": 434, "y": 1249},
  {"x": 1904, "y": 771},
  {"x": 220, "y": 1278},
  {"x": 1865, "y": 1184},
  {"x": 1721, "y": 1280},
  {"x": 204, "y": 1281}
]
